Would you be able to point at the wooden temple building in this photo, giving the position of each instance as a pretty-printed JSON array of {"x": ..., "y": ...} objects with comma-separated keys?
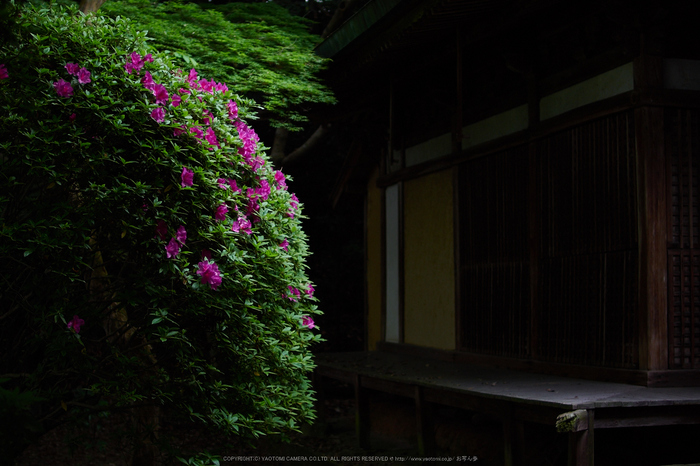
[{"x": 531, "y": 177}]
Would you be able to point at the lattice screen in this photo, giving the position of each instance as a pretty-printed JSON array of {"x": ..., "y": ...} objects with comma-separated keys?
[{"x": 683, "y": 151}]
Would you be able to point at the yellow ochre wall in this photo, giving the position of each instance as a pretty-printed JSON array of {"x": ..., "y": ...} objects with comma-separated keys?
[
  {"x": 373, "y": 249},
  {"x": 429, "y": 293}
]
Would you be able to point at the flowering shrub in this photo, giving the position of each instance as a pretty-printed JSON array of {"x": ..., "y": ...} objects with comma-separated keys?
[{"x": 151, "y": 255}]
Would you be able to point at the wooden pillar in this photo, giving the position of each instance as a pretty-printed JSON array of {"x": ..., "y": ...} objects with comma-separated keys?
[
  {"x": 652, "y": 226},
  {"x": 424, "y": 424},
  {"x": 581, "y": 445}
]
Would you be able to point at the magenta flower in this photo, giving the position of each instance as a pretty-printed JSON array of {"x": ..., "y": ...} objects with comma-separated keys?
[
  {"x": 206, "y": 254},
  {"x": 186, "y": 177},
  {"x": 242, "y": 224},
  {"x": 63, "y": 88},
  {"x": 158, "y": 114},
  {"x": 83, "y": 76},
  {"x": 147, "y": 82},
  {"x": 172, "y": 249},
  {"x": 293, "y": 294},
  {"x": 207, "y": 117},
  {"x": 210, "y": 274},
  {"x": 221, "y": 211},
  {"x": 221, "y": 87},
  {"x": 222, "y": 183},
  {"x": 234, "y": 186},
  {"x": 211, "y": 138},
  {"x": 207, "y": 86},
  {"x": 180, "y": 131},
  {"x": 161, "y": 229},
  {"x": 197, "y": 132},
  {"x": 310, "y": 290},
  {"x": 263, "y": 191},
  {"x": 192, "y": 79},
  {"x": 285, "y": 245},
  {"x": 3, "y": 71},
  {"x": 307, "y": 321},
  {"x": 232, "y": 110},
  {"x": 176, "y": 100},
  {"x": 148, "y": 58},
  {"x": 280, "y": 180},
  {"x": 181, "y": 235},
  {"x": 72, "y": 117},
  {"x": 75, "y": 323},
  {"x": 72, "y": 68},
  {"x": 161, "y": 94}
]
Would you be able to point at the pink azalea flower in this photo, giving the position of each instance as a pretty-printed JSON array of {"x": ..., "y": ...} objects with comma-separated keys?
[
  {"x": 293, "y": 294},
  {"x": 206, "y": 254},
  {"x": 192, "y": 79},
  {"x": 197, "y": 132},
  {"x": 222, "y": 183},
  {"x": 221, "y": 211},
  {"x": 285, "y": 245},
  {"x": 176, "y": 100},
  {"x": 242, "y": 224},
  {"x": 83, "y": 76},
  {"x": 136, "y": 62},
  {"x": 179, "y": 131},
  {"x": 263, "y": 191},
  {"x": 210, "y": 274},
  {"x": 182, "y": 90},
  {"x": 294, "y": 202},
  {"x": 172, "y": 249},
  {"x": 147, "y": 82},
  {"x": 158, "y": 114},
  {"x": 181, "y": 234},
  {"x": 257, "y": 163},
  {"x": 161, "y": 94},
  {"x": 63, "y": 88},
  {"x": 72, "y": 117},
  {"x": 221, "y": 87},
  {"x": 207, "y": 117},
  {"x": 211, "y": 138},
  {"x": 72, "y": 68},
  {"x": 310, "y": 290},
  {"x": 75, "y": 323},
  {"x": 307, "y": 321},
  {"x": 3, "y": 71},
  {"x": 161, "y": 229},
  {"x": 233, "y": 185},
  {"x": 232, "y": 110},
  {"x": 280, "y": 179},
  {"x": 186, "y": 177},
  {"x": 207, "y": 86}
]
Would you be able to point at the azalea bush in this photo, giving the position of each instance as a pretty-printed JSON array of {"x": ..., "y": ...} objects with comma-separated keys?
[{"x": 151, "y": 256}]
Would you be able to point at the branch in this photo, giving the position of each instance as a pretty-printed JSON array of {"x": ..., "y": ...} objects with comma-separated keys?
[
  {"x": 87, "y": 6},
  {"x": 314, "y": 139}
]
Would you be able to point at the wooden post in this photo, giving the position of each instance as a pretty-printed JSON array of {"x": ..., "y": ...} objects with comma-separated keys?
[
  {"x": 424, "y": 424},
  {"x": 362, "y": 422},
  {"x": 652, "y": 229},
  {"x": 580, "y": 426}
]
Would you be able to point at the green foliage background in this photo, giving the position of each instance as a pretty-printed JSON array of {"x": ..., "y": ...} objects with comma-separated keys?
[
  {"x": 259, "y": 48},
  {"x": 89, "y": 177}
]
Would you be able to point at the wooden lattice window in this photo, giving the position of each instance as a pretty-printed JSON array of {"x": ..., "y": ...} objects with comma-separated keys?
[
  {"x": 495, "y": 271},
  {"x": 682, "y": 137}
]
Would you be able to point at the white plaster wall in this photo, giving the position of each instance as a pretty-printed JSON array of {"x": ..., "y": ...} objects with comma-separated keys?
[{"x": 391, "y": 206}]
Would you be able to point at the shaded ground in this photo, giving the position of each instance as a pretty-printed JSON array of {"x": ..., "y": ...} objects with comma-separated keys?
[{"x": 330, "y": 442}]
